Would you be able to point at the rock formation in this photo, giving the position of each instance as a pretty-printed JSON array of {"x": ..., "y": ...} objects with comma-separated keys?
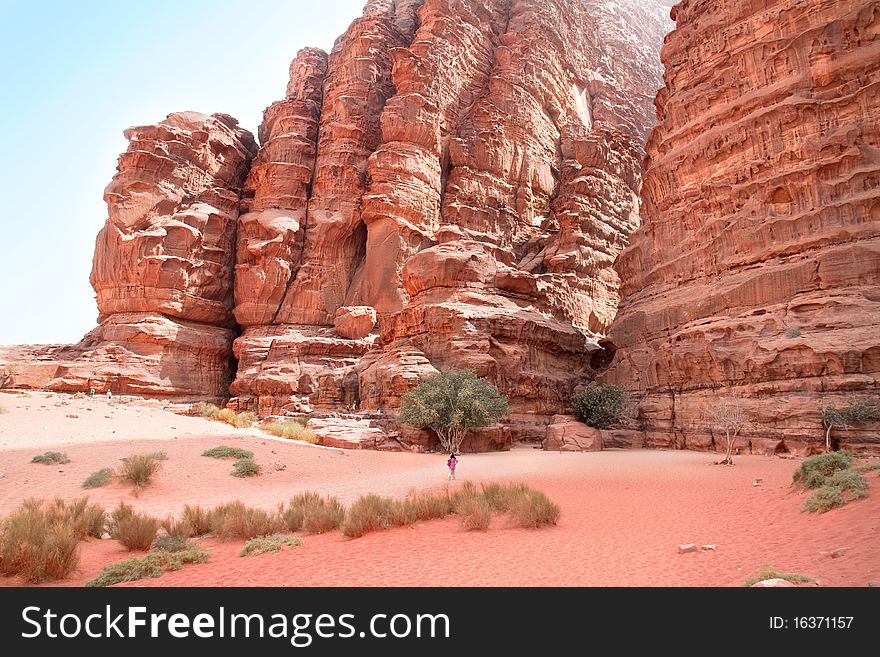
[
  {"x": 467, "y": 169},
  {"x": 448, "y": 188},
  {"x": 756, "y": 270},
  {"x": 163, "y": 268}
]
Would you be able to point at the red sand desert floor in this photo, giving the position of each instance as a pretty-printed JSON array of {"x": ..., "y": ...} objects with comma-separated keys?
[{"x": 624, "y": 513}]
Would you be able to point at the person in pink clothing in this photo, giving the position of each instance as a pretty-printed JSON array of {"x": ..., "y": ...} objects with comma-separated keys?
[{"x": 451, "y": 462}]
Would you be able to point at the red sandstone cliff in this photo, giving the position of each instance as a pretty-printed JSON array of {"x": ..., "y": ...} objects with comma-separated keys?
[
  {"x": 756, "y": 269},
  {"x": 449, "y": 187},
  {"x": 162, "y": 270},
  {"x": 468, "y": 169}
]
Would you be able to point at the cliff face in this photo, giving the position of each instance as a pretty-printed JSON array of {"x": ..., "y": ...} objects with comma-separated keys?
[
  {"x": 756, "y": 270},
  {"x": 163, "y": 268},
  {"x": 469, "y": 169},
  {"x": 449, "y": 187}
]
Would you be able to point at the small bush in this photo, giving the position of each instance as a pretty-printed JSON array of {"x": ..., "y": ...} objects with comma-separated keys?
[
  {"x": 369, "y": 513},
  {"x": 600, "y": 406},
  {"x": 533, "y": 509},
  {"x": 139, "y": 469},
  {"x": 237, "y": 420},
  {"x": 85, "y": 519},
  {"x": 197, "y": 520},
  {"x": 464, "y": 496},
  {"x": 136, "y": 531},
  {"x": 793, "y": 332},
  {"x": 98, "y": 478},
  {"x": 813, "y": 472},
  {"x": 299, "y": 506},
  {"x": 245, "y": 468},
  {"x": 79, "y": 395},
  {"x": 234, "y": 521},
  {"x": 227, "y": 415},
  {"x": 40, "y": 541},
  {"x": 841, "y": 487},
  {"x": 150, "y": 566},
  {"x": 158, "y": 456},
  {"x": 272, "y": 543},
  {"x": 170, "y": 543},
  {"x": 324, "y": 517},
  {"x": 419, "y": 507},
  {"x": 210, "y": 411},
  {"x": 292, "y": 430},
  {"x": 766, "y": 572},
  {"x": 51, "y": 458},
  {"x": 500, "y": 497},
  {"x": 226, "y": 452},
  {"x": 476, "y": 514}
]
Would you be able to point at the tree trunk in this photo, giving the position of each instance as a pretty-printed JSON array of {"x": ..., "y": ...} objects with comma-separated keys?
[{"x": 828, "y": 438}]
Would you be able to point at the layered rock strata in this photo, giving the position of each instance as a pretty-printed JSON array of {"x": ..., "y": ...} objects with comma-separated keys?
[
  {"x": 467, "y": 169},
  {"x": 756, "y": 270},
  {"x": 162, "y": 270}
]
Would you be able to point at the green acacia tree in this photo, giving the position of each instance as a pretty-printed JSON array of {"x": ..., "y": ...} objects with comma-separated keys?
[
  {"x": 856, "y": 411},
  {"x": 452, "y": 403}
]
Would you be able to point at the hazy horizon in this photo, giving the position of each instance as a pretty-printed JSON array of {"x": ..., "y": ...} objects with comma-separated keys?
[{"x": 76, "y": 76}]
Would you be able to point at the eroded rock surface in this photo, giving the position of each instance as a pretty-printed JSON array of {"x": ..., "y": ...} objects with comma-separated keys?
[{"x": 756, "y": 270}]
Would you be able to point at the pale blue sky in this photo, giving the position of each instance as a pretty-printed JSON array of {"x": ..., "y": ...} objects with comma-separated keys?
[{"x": 73, "y": 76}]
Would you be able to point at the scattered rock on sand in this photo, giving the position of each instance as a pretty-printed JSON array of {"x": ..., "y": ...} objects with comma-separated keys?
[
  {"x": 707, "y": 547},
  {"x": 776, "y": 581},
  {"x": 686, "y": 547}
]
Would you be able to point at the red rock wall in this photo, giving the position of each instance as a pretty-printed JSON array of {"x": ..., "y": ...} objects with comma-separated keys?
[
  {"x": 475, "y": 173},
  {"x": 162, "y": 270},
  {"x": 756, "y": 269}
]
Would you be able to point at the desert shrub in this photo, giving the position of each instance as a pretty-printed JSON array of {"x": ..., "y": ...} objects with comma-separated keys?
[
  {"x": 813, "y": 472},
  {"x": 197, "y": 519},
  {"x": 475, "y": 514},
  {"x": 136, "y": 531},
  {"x": 210, "y": 411},
  {"x": 452, "y": 403},
  {"x": 464, "y": 496},
  {"x": 170, "y": 543},
  {"x": 767, "y": 572},
  {"x": 292, "y": 430},
  {"x": 533, "y": 509},
  {"x": 292, "y": 516},
  {"x": 273, "y": 543},
  {"x": 85, "y": 519},
  {"x": 226, "y": 452},
  {"x": 600, "y": 406},
  {"x": 324, "y": 517},
  {"x": 500, "y": 497},
  {"x": 369, "y": 513},
  {"x": 79, "y": 395},
  {"x": 51, "y": 458},
  {"x": 793, "y": 332},
  {"x": 841, "y": 487},
  {"x": 870, "y": 467},
  {"x": 237, "y": 420},
  {"x": 98, "y": 478},
  {"x": 39, "y": 542},
  {"x": 246, "y": 467},
  {"x": 151, "y": 565},
  {"x": 234, "y": 521},
  {"x": 140, "y": 468},
  {"x": 158, "y": 456}
]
